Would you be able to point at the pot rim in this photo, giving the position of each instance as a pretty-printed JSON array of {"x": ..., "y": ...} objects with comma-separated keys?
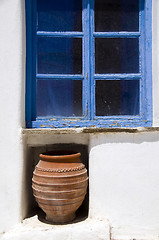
[{"x": 59, "y": 154}]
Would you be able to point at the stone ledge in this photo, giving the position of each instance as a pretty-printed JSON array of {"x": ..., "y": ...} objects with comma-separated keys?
[
  {"x": 32, "y": 228},
  {"x": 36, "y": 131}
]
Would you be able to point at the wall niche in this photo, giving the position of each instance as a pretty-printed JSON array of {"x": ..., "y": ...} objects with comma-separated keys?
[{"x": 29, "y": 203}]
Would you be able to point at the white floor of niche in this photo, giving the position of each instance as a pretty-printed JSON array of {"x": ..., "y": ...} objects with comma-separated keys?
[{"x": 32, "y": 228}]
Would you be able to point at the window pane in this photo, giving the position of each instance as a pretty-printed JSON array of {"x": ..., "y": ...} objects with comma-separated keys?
[
  {"x": 59, "y": 55},
  {"x": 117, "y": 55},
  {"x": 117, "y": 97},
  {"x": 116, "y": 15},
  {"x": 59, "y": 98},
  {"x": 61, "y": 15}
]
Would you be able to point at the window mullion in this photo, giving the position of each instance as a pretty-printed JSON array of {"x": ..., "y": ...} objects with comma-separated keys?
[
  {"x": 118, "y": 76},
  {"x": 86, "y": 59},
  {"x": 141, "y": 59},
  {"x": 148, "y": 59},
  {"x": 145, "y": 59},
  {"x": 59, "y": 34},
  {"x": 60, "y": 76},
  {"x": 34, "y": 53},
  {"x": 116, "y": 34},
  {"x": 92, "y": 59}
]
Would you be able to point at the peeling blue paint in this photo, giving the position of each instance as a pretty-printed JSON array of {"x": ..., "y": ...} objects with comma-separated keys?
[{"x": 88, "y": 75}]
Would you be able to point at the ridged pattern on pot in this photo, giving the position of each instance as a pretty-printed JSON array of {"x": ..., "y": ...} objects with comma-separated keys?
[
  {"x": 60, "y": 194},
  {"x": 61, "y": 170}
]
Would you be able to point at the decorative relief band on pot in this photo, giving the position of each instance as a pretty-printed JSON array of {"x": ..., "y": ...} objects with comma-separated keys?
[
  {"x": 60, "y": 170},
  {"x": 59, "y": 185}
]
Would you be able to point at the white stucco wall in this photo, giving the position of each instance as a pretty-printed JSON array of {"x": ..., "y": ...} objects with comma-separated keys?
[
  {"x": 124, "y": 182},
  {"x": 12, "y": 64},
  {"x": 123, "y": 167}
]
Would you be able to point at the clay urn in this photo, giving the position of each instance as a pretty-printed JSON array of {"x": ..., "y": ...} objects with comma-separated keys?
[{"x": 59, "y": 185}]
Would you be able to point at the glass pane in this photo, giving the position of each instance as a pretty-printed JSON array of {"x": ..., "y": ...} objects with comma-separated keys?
[
  {"x": 59, "y": 55},
  {"x": 59, "y": 98},
  {"x": 116, "y": 15},
  {"x": 117, "y": 97},
  {"x": 117, "y": 55},
  {"x": 61, "y": 15}
]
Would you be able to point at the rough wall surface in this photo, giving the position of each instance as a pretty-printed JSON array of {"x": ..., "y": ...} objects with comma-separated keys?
[
  {"x": 12, "y": 56},
  {"x": 123, "y": 167},
  {"x": 124, "y": 181}
]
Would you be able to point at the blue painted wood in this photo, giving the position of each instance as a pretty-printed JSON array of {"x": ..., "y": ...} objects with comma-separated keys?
[
  {"x": 118, "y": 117},
  {"x": 88, "y": 76},
  {"x": 148, "y": 61},
  {"x": 59, "y": 76},
  {"x": 34, "y": 58},
  {"x": 113, "y": 123},
  {"x": 116, "y": 34},
  {"x": 86, "y": 60},
  {"x": 60, "y": 34},
  {"x": 30, "y": 63},
  {"x": 141, "y": 57},
  {"x": 92, "y": 60},
  {"x": 130, "y": 76},
  {"x": 28, "y": 99}
]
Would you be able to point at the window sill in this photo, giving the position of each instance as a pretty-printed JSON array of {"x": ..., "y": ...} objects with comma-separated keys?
[{"x": 31, "y": 131}]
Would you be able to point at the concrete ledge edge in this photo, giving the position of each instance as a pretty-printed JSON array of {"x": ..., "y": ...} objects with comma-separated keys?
[{"x": 31, "y": 131}]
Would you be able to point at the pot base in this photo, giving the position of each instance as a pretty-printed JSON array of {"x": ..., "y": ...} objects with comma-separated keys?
[{"x": 60, "y": 219}]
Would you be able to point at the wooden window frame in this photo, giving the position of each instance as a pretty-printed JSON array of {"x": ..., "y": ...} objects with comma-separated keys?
[{"x": 88, "y": 77}]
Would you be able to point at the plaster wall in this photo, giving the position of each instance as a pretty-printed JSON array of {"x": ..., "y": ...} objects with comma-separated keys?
[
  {"x": 124, "y": 182},
  {"x": 123, "y": 167},
  {"x": 12, "y": 64}
]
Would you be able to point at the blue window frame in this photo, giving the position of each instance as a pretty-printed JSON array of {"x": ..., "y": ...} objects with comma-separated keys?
[{"x": 88, "y": 63}]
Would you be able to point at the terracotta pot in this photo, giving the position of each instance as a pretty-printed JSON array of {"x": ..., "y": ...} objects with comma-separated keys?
[{"x": 59, "y": 185}]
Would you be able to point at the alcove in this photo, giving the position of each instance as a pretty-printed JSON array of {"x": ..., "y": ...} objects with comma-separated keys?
[{"x": 32, "y": 158}]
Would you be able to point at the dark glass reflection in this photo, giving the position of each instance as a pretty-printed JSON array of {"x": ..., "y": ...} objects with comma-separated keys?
[
  {"x": 59, "y": 98},
  {"x": 116, "y": 55},
  {"x": 116, "y": 15},
  {"x": 117, "y": 97},
  {"x": 59, "y": 55},
  {"x": 61, "y": 15}
]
